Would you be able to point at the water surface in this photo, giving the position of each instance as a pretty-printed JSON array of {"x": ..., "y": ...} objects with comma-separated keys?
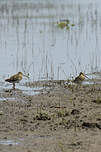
[{"x": 31, "y": 42}]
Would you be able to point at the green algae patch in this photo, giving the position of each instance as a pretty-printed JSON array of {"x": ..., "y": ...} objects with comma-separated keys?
[
  {"x": 65, "y": 24},
  {"x": 62, "y": 25}
]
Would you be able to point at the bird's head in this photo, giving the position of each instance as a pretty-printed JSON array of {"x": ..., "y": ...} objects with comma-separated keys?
[
  {"x": 21, "y": 74},
  {"x": 83, "y": 75}
]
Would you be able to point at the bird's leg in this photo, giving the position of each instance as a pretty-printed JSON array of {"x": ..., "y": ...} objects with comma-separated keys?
[{"x": 14, "y": 86}]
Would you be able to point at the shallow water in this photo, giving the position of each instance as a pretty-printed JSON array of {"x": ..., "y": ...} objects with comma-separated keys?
[
  {"x": 18, "y": 141},
  {"x": 23, "y": 88},
  {"x": 31, "y": 42},
  {"x": 30, "y": 91},
  {"x": 7, "y": 99},
  {"x": 8, "y": 142}
]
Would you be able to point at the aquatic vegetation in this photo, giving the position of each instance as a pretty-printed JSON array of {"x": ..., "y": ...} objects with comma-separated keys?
[
  {"x": 62, "y": 25},
  {"x": 91, "y": 125},
  {"x": 41, "y": 31},
  {"x": 42, "y": 116},
  {"x": 67, "y": 27},
  {"x": 65, "y": 24},
  {"x": 62, "y": 113},
  {"x": 98, "y": 100},
  {"x": 72, "y": 24}
]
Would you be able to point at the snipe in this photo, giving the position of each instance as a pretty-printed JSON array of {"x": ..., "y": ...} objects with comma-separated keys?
[
  {"x": 15, "y": 78},
  {"x": 79, "y": 79}
]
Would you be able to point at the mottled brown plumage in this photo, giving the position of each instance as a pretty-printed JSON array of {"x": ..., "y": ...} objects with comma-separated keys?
[
  {"x": 79, "y": 79},
  {"x": 15, "y": 78}
]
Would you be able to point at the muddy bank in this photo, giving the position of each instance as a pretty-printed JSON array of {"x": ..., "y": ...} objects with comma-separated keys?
[{"x": 62, "y": 118}]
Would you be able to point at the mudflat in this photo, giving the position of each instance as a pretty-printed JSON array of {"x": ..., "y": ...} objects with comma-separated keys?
[{"x": 64, "y": 118}]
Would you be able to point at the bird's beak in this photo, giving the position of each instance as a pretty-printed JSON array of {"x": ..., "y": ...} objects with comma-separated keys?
[
  {"x": 87, "y": 77},
  {"x": 27, "y": 75}
]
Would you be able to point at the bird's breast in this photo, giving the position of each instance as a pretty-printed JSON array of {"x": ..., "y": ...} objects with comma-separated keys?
[{"x": 82, "y": 77}]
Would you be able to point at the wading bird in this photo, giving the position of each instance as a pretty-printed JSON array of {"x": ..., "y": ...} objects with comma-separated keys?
[
  {"x": 15, "y": 78},
  {"x": 79, "y": 79}
]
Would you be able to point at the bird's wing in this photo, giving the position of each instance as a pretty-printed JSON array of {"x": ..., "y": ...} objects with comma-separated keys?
[
  {"x": 13, "y": 78},
  {"x": 76, "y": 79}
]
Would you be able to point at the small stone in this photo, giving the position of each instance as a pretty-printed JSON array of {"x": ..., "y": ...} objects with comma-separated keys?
[
  {"x": 1, "y": 113},
  {"x": 29, "y": 151},
  {"x": 5, "y": 138}
]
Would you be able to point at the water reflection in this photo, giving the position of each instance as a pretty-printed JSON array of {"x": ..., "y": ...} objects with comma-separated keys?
[
  {"x": 30, "y": 40},
  {"x": 12, "y": 142},
  {"x": 8, "y": 142},
  {"x": 20, "y": 88}
]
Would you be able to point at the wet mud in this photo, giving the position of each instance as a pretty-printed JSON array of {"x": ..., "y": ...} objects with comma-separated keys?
[{"x": 63, "y": 117}]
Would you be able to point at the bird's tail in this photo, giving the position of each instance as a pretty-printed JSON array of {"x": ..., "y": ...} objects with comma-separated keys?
[{"x": 7, "y": 80}]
